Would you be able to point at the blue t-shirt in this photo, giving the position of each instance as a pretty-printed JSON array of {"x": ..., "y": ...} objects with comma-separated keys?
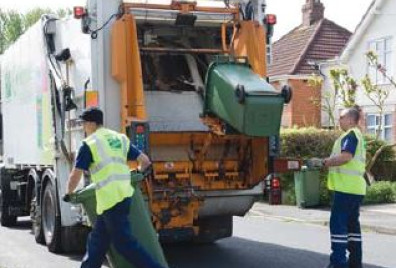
[
  {"x": 84, "y": 156},
  {"x": 349, "y": 143}
]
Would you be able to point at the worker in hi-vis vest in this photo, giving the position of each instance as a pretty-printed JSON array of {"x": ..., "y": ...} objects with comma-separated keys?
[
  {"x": 104, "y": 153},
  {"x": 346, "y": 170}
]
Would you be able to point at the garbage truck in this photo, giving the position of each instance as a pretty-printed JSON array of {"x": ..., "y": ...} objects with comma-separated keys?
[{"x": 186, "y": 81}]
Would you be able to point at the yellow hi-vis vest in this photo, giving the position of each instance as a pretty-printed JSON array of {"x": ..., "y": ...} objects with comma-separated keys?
[
  {"x": 109, "y": 170},
  {"x": 348, "y": 178}
]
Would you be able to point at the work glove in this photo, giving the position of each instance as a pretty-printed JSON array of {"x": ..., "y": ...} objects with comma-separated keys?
[
  {"x": 66, "y": 198},
  {"x": 315, "y": 163},
  {"x": 147, "y": 171}
]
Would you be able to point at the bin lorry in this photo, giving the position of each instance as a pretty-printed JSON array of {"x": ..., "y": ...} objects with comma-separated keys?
[{"x": 186, "y": 81}]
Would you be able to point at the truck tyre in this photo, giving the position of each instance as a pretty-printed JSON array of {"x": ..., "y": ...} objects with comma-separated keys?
[
  {"x": 51, "y": 222},
  {"x": 214, "y": 228},
  {"x": 35, "y": 216},
  {"x": 6, "y": 219}
]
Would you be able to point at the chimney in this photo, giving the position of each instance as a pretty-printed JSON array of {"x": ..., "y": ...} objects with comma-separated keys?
[{"x": 313, "y": 11}]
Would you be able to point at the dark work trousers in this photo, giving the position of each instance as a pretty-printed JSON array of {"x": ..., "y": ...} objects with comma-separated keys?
[
  {"x": 345, "y": 231},
  {"x": 113, "y": 227}
]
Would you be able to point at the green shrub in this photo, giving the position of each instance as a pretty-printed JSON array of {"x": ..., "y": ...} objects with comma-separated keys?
[
  {"x": 287, "y": 184},
  {"x": 307, "y": 142},
  {"x": 381, "y": 192},
  {"x": 372, "y": 145},
  {"x": 312, "y": 142}
]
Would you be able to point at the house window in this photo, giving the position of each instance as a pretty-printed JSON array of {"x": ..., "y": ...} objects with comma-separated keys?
[
  {"x": 373, "y": 122},
  {"x": 383, "y": 49}
]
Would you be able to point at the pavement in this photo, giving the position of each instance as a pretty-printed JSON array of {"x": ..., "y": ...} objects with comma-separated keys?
[{"x": 374, "y": 218}]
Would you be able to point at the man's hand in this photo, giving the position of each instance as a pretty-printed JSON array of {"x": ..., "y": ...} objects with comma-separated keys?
[
  {"x": 74, "y": 179},
  {"x": 315, "y": 163},
  {"x": 66, "y": 198},
  {"x": 144, "y": 162}
]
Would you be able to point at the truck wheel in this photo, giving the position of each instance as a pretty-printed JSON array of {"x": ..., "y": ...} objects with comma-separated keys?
[
  {"x": 6, "y": 219},
  {"x": 35, "y": 216},
  {"x": 214, "y": 228},
  {"x": 51, "y": 222}
]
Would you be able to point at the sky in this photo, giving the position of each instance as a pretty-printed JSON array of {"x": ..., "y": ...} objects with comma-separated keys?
[{"x": 346, "y": 13}]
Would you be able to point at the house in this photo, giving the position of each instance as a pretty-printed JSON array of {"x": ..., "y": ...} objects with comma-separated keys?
[
  {"x": 375, "y": 32},
  {"x": 294, "y": 58}
]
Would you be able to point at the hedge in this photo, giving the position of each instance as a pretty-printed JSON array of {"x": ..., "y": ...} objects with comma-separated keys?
[
  {"x": 312, "y": 142},
  {"x": 381, "y": 192}
]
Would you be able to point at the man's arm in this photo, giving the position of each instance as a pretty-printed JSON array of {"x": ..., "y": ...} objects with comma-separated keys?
[
  {"x": 83, "y": 160},
  {"x": 142, "y": 159},
  {"x": 348, "y": 149},
  {"x": 338, "y": 160},
  {"x": 74, "y": 179}
]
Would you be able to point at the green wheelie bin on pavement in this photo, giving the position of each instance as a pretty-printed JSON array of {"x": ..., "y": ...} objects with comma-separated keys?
[
  {"x": 307, "y": 187},
  {"x": 142, "y": 227}
]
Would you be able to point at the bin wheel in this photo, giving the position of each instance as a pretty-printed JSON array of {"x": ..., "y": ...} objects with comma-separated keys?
[
  {"x": 240, "y": 93},
  {"x": 287, "y": 93},
  {"x": 35, "y": 216},
  {"x": 51, "y": 222},
  {"x": 6, "y": 219}
]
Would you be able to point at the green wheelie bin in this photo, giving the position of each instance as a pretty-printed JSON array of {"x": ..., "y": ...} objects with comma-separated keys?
[
  {"x": 307, "y": 187},
  {"x": 142, "y": 227}
]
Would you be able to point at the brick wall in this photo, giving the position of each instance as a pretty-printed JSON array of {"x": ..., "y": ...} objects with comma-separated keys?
[
  {"x": 301, "y": 111},
  {"x": 305, "y": 112},
  {"x": 286, "y": 117}
]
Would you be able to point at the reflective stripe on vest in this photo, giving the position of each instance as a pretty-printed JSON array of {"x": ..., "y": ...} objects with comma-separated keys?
[
  {"x": 348, "y": 178},
  {"x": 112, "y": 178},
  {"x": 347, "y": 171},
  {"x": 109, "y": 170}
]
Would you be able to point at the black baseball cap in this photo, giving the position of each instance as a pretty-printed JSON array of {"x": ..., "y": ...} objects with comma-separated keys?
[{"x": 92, "y": 114}]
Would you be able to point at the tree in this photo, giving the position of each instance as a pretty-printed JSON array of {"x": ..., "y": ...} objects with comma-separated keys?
[
  {"x": 33, "y": 16},
  {"x": 11, "y": 28},
  {"x": 14, "y": 24},
  {"x": 343, "y": 91},
  {"x": 327, "y": 102},
  {"x": 345, "y": 86},
  {"x": 376, "y": 94}
]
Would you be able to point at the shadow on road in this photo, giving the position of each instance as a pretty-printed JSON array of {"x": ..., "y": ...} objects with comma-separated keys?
[
  {"x": 240, "y": 253},
  {"x": 232, "y": 252}
]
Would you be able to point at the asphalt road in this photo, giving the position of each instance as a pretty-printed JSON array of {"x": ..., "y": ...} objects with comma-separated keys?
[{"x": 258, "y": 242}]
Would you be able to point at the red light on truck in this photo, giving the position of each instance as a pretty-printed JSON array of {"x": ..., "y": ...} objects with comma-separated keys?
[
  {"x": 270, "y": 19},
  {"x": 275, "y": 183},
  {"x": 79, "y": 12}
]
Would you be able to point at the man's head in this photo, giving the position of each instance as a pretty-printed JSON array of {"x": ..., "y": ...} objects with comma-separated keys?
[
  {"x": 349, "y": 118},
  {"x": 92, "y": 119}
]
